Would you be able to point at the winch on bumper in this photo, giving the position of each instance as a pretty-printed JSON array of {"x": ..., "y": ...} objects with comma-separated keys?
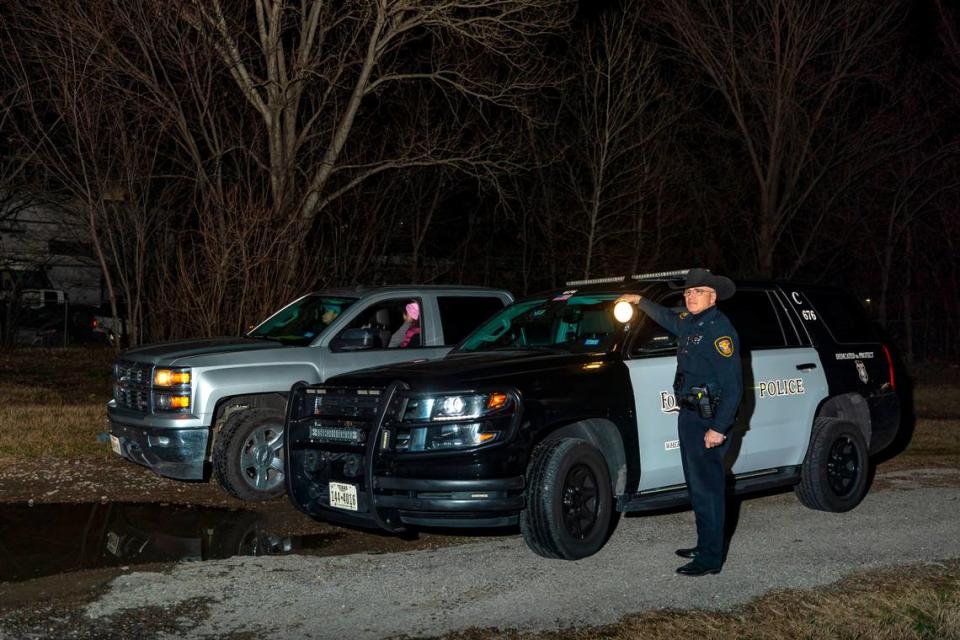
[{"x": 387, "y": 457}]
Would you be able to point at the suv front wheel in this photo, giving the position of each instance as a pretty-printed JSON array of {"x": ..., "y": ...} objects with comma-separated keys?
[
  {"x": 568, "y": 510},
  {"x": 248, "y": 455},
  {"x": 835, "y": 470}
]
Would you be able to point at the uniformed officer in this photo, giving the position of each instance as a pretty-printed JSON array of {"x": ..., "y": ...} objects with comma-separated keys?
[{"x": 708, "y": 386}]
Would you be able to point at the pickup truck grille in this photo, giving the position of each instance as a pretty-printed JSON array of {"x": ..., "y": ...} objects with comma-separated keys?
[{"x": 131, "y": 385}]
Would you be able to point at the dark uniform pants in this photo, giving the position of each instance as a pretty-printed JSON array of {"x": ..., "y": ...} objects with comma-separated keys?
[{"x": 703, "y": 470}]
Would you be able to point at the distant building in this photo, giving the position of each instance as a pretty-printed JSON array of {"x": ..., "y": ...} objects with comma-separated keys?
[{"x": 46, "y": 248}]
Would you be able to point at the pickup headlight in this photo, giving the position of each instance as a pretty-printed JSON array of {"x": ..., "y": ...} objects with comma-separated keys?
[
  {"x": 171, "y": 377},
  {"x": 171, "y": 390},
  {"x": 454, "y": 421}
]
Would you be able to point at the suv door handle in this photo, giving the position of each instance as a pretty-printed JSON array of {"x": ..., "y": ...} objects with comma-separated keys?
[{"x": 806, "y": 366}]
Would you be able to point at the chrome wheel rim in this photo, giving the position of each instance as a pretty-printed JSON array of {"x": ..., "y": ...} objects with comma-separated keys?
[{"x": 261, "y": 460}]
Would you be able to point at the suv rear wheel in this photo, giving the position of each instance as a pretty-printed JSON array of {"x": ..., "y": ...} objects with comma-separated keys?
[
  {"x": 248, "y": 455},
  {"x": 835, "y": 470},
  {"x": 568, "y": 513}
]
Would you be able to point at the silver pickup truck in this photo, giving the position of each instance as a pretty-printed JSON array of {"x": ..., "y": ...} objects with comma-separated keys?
[{"x": 188, "y": 408}]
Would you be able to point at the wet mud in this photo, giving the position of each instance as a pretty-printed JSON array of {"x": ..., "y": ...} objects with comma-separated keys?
[{"x": 47, "y": 539}]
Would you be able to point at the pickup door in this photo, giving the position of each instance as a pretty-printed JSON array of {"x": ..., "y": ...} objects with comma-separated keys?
[{"x": 445, "y": 319}]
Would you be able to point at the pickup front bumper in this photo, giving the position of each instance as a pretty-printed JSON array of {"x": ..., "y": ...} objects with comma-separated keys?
[{"x": 172, "y": 453}]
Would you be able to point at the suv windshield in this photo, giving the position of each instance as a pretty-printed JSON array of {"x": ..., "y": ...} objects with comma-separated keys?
[
  {"x": 568, "y": 322},
  {"x": 302, "y": 320}
]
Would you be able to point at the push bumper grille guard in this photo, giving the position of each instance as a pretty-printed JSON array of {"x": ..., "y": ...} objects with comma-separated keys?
[
  {"x": 388, "y": 503},
  {"x": 344, "y": 404}
]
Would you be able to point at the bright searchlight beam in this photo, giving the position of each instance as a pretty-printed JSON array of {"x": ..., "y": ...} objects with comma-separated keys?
[{"x": 623, "y": 311}]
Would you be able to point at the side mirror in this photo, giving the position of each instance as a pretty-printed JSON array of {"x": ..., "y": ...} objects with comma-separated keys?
[{"x": 356, "y": 340}]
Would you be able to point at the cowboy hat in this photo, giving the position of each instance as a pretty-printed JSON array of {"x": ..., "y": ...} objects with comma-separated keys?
[{"x": 703, "y": 278}]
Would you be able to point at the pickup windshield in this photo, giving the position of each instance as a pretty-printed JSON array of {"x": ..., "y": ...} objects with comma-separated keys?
[
  {"x": 302, "y": 320},
  {"x": 567, "y": 322}
]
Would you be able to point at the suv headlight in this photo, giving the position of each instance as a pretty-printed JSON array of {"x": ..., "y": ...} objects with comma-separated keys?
[
  {"x": 171, "y": 390},
  {"x": 440, "y": 408},
  {"x": 454, "y": 421}
]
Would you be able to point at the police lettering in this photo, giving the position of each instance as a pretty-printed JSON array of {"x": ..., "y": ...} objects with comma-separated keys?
[{"x": 788, "y": 387}]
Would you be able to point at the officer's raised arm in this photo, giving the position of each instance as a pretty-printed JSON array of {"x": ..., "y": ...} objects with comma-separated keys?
[{"x": 660, "y": 314}]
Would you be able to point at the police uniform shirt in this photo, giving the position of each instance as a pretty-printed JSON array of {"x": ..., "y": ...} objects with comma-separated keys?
[{"x": 708, "y": 354}]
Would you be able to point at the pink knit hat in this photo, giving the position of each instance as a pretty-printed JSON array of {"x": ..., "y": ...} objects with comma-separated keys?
[{"x": 413, "y": 310}]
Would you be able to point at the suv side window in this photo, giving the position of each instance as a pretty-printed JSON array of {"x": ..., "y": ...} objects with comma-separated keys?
[
  {"x": 376, "y": 324},
  {"x": 651, "y": 338},
  {"x": 459, "y": 315},
  {"x": 755, "y": 319},
  {"x": 843, "y": 316}
]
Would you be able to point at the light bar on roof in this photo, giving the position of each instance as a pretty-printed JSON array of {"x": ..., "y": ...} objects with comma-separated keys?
[
  {"x": 661, "y": 274},
  {"x": 639, "y": 276},
  {"x": 572, "y": 283}
]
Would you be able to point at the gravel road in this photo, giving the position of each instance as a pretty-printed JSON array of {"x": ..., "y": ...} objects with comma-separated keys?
[{"x": 498, "y": 583}]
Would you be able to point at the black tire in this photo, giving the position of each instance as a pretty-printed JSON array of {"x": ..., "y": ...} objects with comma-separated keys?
[
  {"x": 248, "y": 455},
  {"x": 836, "y": 469},
  {"x": 569, "y": 500}
]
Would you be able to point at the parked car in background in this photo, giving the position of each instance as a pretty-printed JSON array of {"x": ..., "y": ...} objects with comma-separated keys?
[
  {"x": 183, "y": 408},
  {"x": 47, "y": 318},
  {"x": 74, "y": 325},
  {"x": 114, "y": 330}
]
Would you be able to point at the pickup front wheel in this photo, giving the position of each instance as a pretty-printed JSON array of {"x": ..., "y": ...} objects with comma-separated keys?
[{"x": 248, "y": 455}]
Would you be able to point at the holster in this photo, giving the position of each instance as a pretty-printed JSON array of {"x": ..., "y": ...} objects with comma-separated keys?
[{"x": 700, "y": 399}]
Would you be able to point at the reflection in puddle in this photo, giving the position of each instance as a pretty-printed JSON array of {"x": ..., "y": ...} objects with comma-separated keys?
[{"x": 48, "y": 539}]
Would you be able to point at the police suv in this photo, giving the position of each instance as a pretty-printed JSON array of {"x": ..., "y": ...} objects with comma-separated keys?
[{"x": 558, "y": 415}]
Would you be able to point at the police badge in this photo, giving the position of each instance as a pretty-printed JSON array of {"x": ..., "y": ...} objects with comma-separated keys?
[
  {"x": 862, "y": 371},
  {"x": 724, "y": 346}
]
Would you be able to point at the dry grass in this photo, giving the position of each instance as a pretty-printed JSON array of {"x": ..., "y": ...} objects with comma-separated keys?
[
  {"x": 919, "y": 602},
  {"x": 936, "y": 392},
  {"x": 62, "y": 431},
  {"x": 935, "y": 443},
  {"x": 70, "y": 376},
  {"x": 53, "y": 403}
]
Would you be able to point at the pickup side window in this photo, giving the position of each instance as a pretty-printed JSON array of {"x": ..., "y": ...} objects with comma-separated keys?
[
  {"x": 843, "y": 317},
  {"x": 459, "y": 315},
  {"x": 375, "y": 326},
  {"x": 755, "y": 319}
]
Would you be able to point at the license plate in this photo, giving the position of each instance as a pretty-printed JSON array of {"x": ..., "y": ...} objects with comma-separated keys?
[
  {"x": 115, "y": 444},
  {"x": 343, "y": 496}
]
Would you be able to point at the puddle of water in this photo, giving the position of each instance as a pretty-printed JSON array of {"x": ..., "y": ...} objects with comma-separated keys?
[{"x": 48, "y": 539}]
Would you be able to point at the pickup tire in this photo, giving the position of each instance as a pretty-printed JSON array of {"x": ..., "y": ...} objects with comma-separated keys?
[
  {"x": 248, "y": 455},
  {"x": 836, "y": 468},
  {"x": 569, "y": 500}
]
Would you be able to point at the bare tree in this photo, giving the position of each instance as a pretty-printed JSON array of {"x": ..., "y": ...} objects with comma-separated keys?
[
  {"x": 622, "y": 111},
  {"x": 306, "y": 69},
  {"x": 296, "y": 97},
  {"x": 70, "y": 126},
  {"x": 788, "y": 72}
]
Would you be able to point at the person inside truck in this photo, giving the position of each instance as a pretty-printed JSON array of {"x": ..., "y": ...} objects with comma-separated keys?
[{"x": 408, "y": 335}]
